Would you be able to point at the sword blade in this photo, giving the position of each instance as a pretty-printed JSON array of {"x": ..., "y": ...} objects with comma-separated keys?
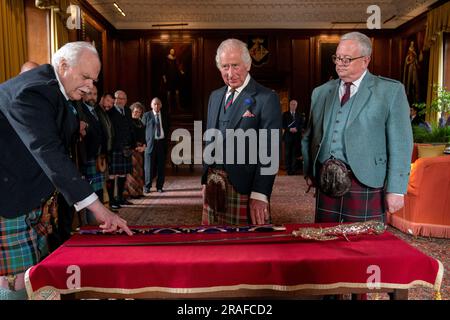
[{"x": 173, "y": 243}]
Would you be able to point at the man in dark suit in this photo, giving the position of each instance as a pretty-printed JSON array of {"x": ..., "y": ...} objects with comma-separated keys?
[
  {"x": 292, "y": 136},
  {"x": 37, "y": 123},
  {"x": 123, "y": 145},
  {"x": 92, "y": 146},
  {"x": 359, "y": 137},
  {"x": 236, "y": 191},
  {"x": 156, "y": 132}
]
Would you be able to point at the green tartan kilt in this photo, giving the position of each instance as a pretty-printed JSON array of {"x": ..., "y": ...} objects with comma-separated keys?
[
  {"x": 21, "y": 244},
  {"x": 95, "y": 178}
]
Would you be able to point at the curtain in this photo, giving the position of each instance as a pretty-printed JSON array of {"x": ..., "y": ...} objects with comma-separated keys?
[
  {"x": 13, "y": 46},
  {"x": 438, "y": 22},
  {"x": 435, "y": 75}
]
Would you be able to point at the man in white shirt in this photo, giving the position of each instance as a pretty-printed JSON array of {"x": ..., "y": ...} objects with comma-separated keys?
[
  {"x": 233, "y": 192},
  {"x": 357, "y": 148},
  {"x": 37, "y": 125},
  {"x": 156, "y": 132}
]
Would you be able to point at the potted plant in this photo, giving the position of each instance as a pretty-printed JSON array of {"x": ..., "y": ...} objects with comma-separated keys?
[
  {"x": 437, "y": 135},
  {"x": 434, "y": 134},
  {"x": 440, "y": 103}
]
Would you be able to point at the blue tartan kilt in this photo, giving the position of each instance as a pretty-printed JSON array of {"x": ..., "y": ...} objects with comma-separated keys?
[
  {"x": 21, "y": 244},
  {"x": 120, "y": 164},
  {"x": 95, "y": 178}
]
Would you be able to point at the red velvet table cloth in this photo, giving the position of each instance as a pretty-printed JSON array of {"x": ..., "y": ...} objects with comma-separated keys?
[{"x": 278, "y": 264}]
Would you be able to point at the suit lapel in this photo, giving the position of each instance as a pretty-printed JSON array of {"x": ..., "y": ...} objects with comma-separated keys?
[
  {"x": 361, "y": 97},
  {"x": 239, "y": 106},
  {"x": 329, "y": 103},
  {"x": 216, "y": 104}
]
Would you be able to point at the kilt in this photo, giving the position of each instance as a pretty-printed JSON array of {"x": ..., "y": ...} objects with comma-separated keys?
[
  {"x": 236, "y": 210},
  {"x": 361, "y": 203},
  {"x": 95, "y": 178},
  {"x": 135, "y": 180},
  {"x": 21, "y": 244},
  {"x": 120, "y": 165}
]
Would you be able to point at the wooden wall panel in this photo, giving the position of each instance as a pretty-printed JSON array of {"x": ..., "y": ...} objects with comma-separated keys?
[
  {"x": 129, "y": 69},
  {"x": 37, "y": 28},
  {"x": 301, "y": 72},
  {"x": 381, "y": 57},
  {"x": 211, "y": 75}
]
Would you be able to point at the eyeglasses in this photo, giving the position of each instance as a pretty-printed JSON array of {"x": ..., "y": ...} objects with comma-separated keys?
[{"x": 344, "y": 60}]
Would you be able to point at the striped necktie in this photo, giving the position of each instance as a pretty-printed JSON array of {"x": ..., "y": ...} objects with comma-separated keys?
[{"x": 229, "y": 101}]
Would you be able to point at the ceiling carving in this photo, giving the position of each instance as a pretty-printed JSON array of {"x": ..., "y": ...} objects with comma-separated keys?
[{"x": 256, "y": 14}]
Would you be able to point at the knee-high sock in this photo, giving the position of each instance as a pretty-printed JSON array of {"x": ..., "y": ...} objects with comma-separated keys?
[{"x": 6, "y": 294}]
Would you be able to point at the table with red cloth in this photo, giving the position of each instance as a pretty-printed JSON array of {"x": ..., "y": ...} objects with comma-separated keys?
[{"x": 269, "y": 267}]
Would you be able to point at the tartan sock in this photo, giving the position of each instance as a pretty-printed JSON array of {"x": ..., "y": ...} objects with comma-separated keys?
[{"x": 6, "y": 294}]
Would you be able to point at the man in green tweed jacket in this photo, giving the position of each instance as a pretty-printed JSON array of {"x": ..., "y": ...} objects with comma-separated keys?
[{"x": 363, "y": 121}]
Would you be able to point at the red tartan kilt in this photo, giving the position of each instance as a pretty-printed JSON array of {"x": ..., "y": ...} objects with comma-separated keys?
[
  {"x": 236, "y": 210},
  {"x": 361, "y": 203}
]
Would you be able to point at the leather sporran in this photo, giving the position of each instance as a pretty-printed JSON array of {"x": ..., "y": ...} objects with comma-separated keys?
[
  {"x": 100, "y": 163},
  {"x": 216, "y": 190},
  {"x": 334, "y": 178},
  {"x": 48, "y": 221}
]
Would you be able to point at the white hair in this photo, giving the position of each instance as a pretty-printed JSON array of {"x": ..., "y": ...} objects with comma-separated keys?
[
  {"x": 233, "y": 44},
  {"x": 70, "y": 52},
  {"x": 364, "y": 42}
]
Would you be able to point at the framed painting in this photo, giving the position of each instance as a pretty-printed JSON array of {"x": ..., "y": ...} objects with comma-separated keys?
[
  {"x": 171, "y": 75},
  {"x": 326, "y": 47}
]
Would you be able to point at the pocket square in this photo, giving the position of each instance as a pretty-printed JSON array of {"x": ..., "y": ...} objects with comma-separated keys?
[{"x": 248, "y": 114}]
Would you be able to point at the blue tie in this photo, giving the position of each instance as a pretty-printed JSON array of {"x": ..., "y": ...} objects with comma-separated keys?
[{"x": 72, "y": 108}]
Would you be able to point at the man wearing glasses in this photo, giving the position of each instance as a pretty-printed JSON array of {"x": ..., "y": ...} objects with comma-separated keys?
[{"x": 357, "y": 148}]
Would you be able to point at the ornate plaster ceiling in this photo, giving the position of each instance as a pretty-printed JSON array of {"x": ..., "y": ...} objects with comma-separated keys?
[{"x": 256, "y": 14}]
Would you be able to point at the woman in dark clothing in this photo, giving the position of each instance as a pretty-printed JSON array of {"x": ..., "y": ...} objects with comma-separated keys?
[{"x": 135, "y": 180}]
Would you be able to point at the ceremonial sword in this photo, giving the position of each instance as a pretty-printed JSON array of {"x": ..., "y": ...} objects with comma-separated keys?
[{"x": 318, "y": 234}]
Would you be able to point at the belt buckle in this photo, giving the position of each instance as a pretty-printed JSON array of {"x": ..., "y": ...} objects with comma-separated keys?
[{"x": 11, "y": 278}]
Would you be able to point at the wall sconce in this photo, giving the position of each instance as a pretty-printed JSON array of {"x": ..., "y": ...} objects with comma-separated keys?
[{"x": 46, "y": 4}]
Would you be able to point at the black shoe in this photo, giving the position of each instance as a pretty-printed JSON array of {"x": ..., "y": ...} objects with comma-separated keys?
[
  {"x": 126, "y": 203},
  {"x": 115, "y": 206}
]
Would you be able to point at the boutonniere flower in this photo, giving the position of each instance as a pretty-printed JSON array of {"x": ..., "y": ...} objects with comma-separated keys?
[{"x": 248, "y": 102}]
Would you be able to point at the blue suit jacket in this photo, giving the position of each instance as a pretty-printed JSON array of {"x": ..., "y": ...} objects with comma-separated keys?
[
  {"x": 36, "y": 129},
  {"x": 377, "y": 137},
  {"x": 264, "y": 104}
]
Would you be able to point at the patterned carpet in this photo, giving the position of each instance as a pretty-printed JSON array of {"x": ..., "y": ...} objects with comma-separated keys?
[{"x": 181, "y": 204}]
